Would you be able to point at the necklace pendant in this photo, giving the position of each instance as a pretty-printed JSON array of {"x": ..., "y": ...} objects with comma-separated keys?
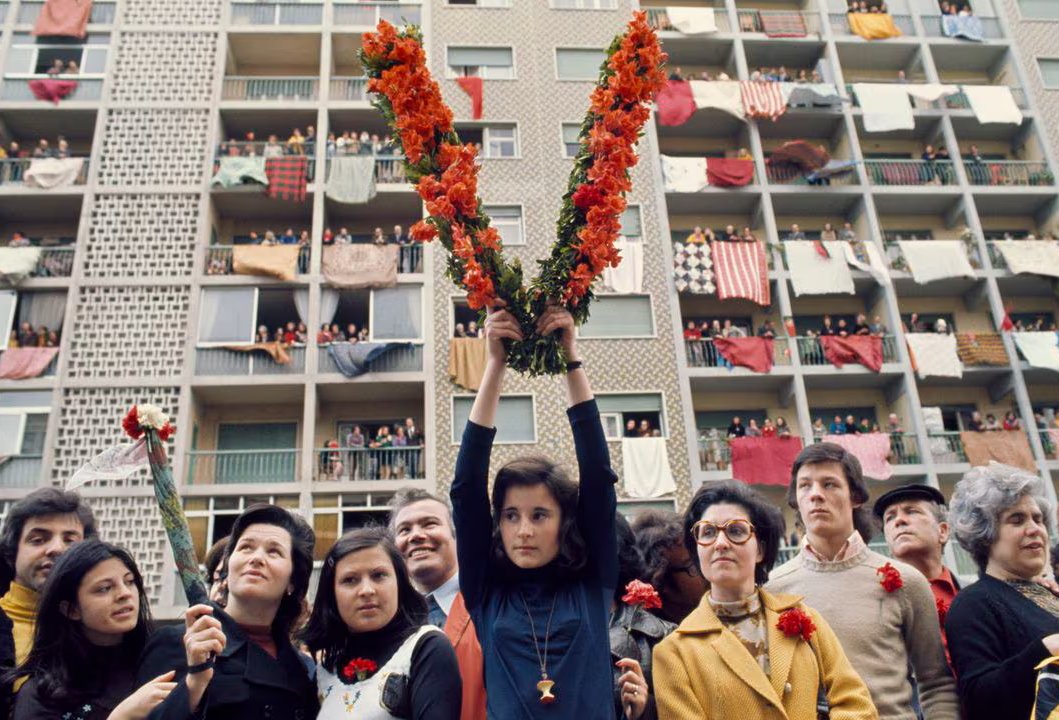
[{"x": 545, "y": 688}]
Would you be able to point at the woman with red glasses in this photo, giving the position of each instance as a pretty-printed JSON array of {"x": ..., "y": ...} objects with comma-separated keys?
[{"x": 744, "y": 652}]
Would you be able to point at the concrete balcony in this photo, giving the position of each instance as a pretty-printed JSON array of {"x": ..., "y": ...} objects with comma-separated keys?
[
  {"x": 790, "y": 175},
  {"x": 811, "y": 353},
  {"x": 349, "y": 464},
  {"x": 17, "y": 88},
  {"x": 897, "y": 173},
  {"x": 219, "y": 260},
  {"x": 221, "y": 361},
  {"x": 276, "y": 13},
  {"x": 658, "y": 18},
  {"x": 225, "y": 467},
  {"x": 347, "y": 89},
  {"x": 991, "y": 29},
  {"x": 287, "y": 89},
  {"x": 13, "y": 173},
  {"x": 1009, "y": 172},
  {"x": 840, "y": 24},
  {"x": 368, "y": 14},
  {"x": 408, "y": 358}
]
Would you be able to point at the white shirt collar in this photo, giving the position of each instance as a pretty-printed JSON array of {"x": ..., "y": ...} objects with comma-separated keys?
[{"x": 445, "y": 594}]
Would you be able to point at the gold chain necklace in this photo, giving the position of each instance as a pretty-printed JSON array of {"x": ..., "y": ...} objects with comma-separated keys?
[{"x": 545, "y": 686}]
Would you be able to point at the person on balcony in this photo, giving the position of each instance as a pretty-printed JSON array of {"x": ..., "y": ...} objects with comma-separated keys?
[
  {"x": 296, "y": 142},
  {"x": 736, "y": 429},
  {"x": 899, "y": 637},
  {"x": 976, "y": 423},
  {"x": 837, "y": 427},
  {"x": 748, "y": 235},
  {"x": 19, "y": 239},
  {"x": 288, "y": 237},
  {"x": 819, "y": 429},
  {"x": 991, "y": 423},
  {"x": 1011, "y": 421},
  {"x": 356, "y": 441},
  {"x": 58, "y": 67},
  {"x": 852, "y": 428},
  {"x": 796, "y": 233},
  {"x": 828, "y": 234},
  {"x": 861, "y": 327},
  {"x": 842, "y": 330},
  {"x": 847, "y": 233},
  {"x": 698, "y": 237},
  {"x": 768, "y": 429},
  {"x": 782, "y": 428},
  {"x": 827, "y": 329},
  {"x": 752, "y": 429},
  {"x": 343, "y": 237},
  {"x": 866, "y": 426},
  {"x": 930, "y": 172},
  {"x": 377, "y": 238},
  {"x": 273, "y": 148},
  {"x": 693, "y": 344},
  {"x": 730, "y": 234},
  {"x": 767, "y": 330},
  {"x": 877, "y": 327},
  {"x": 381, "y": 468}
]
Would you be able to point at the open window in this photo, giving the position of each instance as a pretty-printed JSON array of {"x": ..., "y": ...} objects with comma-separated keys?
[
  {"x": 40, "y": 310},
  {"x": 507, "y": 219},
  {"x": 232, "y": 316},
  {"x": 27, "y": 56},
  {"x": 643, "y": 411}
]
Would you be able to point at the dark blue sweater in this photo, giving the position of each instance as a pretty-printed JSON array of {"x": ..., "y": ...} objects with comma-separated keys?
[{"x": 578, "y": 656}]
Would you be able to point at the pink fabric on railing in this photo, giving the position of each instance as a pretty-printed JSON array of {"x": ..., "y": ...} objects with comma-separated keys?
[
  {"x": 51, "y": 90},
  {"x": 764, "y": 460},
  {"x": 675, "y": 103},
  {"x": 863, "y": 349},
  {"x": 872, "y": 449},
  {"x": 25, "y": 363},
  {"x": 752, "y": 352},
  {"x": 63, "y": 17}
]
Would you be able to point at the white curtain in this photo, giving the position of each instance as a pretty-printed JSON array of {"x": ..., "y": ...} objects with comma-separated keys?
[
  {"x": 227, "y": 315},
  {"x": 43, "y": 309},
  {"x": 397, "y": 313},
  {"x": 301, "y": 304},
  {"x": 328, "y": 304},
  {"x": 8, "y": 301}
]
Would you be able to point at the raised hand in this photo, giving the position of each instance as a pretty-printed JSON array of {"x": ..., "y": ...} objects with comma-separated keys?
[
  {"x": 556, "y": 319},
  {"x": 500, "y": 325}
]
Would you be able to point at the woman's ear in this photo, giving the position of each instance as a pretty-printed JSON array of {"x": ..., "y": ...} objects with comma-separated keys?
[{"x": 70, "y": 611}]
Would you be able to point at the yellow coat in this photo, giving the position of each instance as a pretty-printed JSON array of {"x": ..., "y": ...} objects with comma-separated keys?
[{"x": 702, "y": 671}]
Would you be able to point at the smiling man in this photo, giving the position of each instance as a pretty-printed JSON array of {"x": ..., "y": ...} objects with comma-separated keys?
[
  {"x": 881, "y": 610},
  {"x": 421, "y": 524},
  {"x": 913, "y": 519}
]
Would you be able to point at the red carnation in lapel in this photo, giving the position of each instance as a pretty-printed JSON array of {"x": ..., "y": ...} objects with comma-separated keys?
[
  {"x": 640, "y": 593},
  {"x": 943, "y": 609},
  {"x": 891, "y": 578},
  {"x": 795, "y": 622},
  {"x": 359, "y": 668}
]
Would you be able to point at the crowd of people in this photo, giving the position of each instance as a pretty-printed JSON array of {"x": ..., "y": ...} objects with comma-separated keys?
[
  {"x": 642, "y": 428},
  {"x": 866, "y": 6},
  {"x": 701, "y": 236},
  {"x": 761, "y": 74},
  {"x": 25, "y": 336},
  {"x": 953, "y": 7},
  {"x": 468, "y": 330},
  {"x": 827, "y": 233},
  {"x": 58, "y": 67},
  {"x": 43, "y": 149},
  {"x": 378, "y": 237},
  {"x": 382, "y": 455},
  {"x": 674, "y": 616}
]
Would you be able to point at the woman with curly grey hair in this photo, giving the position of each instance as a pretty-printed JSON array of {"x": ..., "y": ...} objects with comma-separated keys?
[{"x": 1001, "y": 627}]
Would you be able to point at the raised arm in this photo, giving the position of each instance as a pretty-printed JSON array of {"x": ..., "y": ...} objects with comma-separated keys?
[
  {"x": 470, "y": 491},
  {"x": 597, "y": 501}
]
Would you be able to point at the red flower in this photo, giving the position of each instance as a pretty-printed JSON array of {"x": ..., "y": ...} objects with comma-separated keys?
[
  {"x": 642, "y": 594},
  {"x": 943, "y": 610},
  {"x": 795, "y": 622},
  {"x": 891, "y": 578},
  {"x": 166, "y": 432},
  {"x": 359, "y": 668},
  {"x": 587, "y": 196},
  {"x": 131, "y": 424}
]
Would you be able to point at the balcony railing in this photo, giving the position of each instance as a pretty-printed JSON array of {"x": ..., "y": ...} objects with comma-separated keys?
[
  {"x": 897, "y": 259},
  {"x": 947, "y": 448},
  {"x": 13, "y": 171},
  {"x": 389, "y": 169},
  {"x": 702, "y": 353},
  {"x": 224, "y": 467},
  {"x": 21, "y": 471},
  {"x": 991, "y": 29},
  {"x": 368, "y": 14},
  {"x": 408, "y": 358},
  {"x": 790, "y": 175},
  {"x": 55, "y": 262},
  {"x": 219, "y": 260},
  {"x": 1008, "y": 172},
  {"x": 714, "y": 452},
  {"x": 904, "y": 449},
  {"x": 270, "y": 88},
  {"x": 352, "y": 464},
  {"x": 910, "y": 172},
  {"x": 277, "y": 13},
  {"x": 219, "y": 361},
  {"x": 840, "y": 24},
  {"x": 658, "y": 18},
  {"x": 262, "y": 149},
  {"x": 349, "y": 88},
  {"x": 959, "y": 101},
  {"x": 87, "y": 90},
  {"x": 102, "y": 12},
  {"x": 759, "y": 21},
  {"x": 811, "y": 352}
]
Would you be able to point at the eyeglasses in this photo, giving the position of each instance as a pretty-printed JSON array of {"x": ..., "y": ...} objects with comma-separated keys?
[{"x": 738, "y": 531}]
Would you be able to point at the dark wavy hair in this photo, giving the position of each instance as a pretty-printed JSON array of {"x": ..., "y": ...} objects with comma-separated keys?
[
  {"x": 657, "y": 531},
  {"x": 528, "y": 471},
  {"x": 769, "y": 526},
  {"x": 326, "y": 632},
  {"x": 630, "y": 560},
  {"x": 825, "y": 452},
  {"x": 45, "y": 501},
  {"x": 302, "y": 541},
  {"x": 62, "y": 660}
]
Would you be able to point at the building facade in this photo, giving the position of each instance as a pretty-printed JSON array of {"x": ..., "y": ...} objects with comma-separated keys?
[{"x": 138, "y": 251}]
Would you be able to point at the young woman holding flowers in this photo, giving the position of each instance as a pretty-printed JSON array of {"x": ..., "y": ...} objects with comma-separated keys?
[
  {"x": 744, "y": 652},
  {"x": 538, "y": 572},
  {"x": 92, "y": 624},
  {"x": 376, "y": 656}
]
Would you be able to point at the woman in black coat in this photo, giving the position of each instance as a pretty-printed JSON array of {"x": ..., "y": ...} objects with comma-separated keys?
[
  {"x": 238, "y": 662},
  {"x": 1002, "y": 626}
]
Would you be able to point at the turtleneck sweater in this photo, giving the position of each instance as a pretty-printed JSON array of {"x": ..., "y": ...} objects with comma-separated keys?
[
  {"x": 20, "y": 605},
  {"x": 746, "y": 620}
]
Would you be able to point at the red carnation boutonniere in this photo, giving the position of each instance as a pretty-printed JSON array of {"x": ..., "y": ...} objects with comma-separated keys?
[
  {"x": 796, "y": 622},
  {"x": 890, "y": 578},
  {"x": 943, "y": 609},
  {"x": 359, "y": 669},
  {"x": 642, "y": 594}
]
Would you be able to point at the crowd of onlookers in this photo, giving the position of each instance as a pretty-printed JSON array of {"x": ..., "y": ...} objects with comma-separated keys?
[
  {"x": 867, "y": 6},
  {"x": 58, "y": 67},
  {"x": 761, "y": 74},
  {"x": 378, "y": 237},
  {"x": 700, "y": 235},
  {"x": 352, "y": 457},
  {"x": 26, "y": 337},
  {"x": 43, "y": 149},
  {"x": 470, "y": 330},
  {"x": 296, "y": 333},
  {"x": 955, "y": 8},
  {"x": 828, "y": 233},
  {"x": 643, "y": 428}
]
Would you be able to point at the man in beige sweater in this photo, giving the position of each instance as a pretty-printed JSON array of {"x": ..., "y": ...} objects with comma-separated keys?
[{"x": 882, "y": 610}]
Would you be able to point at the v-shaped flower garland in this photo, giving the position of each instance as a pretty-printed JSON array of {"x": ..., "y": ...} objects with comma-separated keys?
[{"x": 446, "y": 175}]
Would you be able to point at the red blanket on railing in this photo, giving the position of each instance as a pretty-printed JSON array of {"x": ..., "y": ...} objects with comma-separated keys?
[
  {"x": 752, "y": 352},
  {"x": 63, "y": 17},
  {"x": 25, "y": 363},
  {"x": 51, "y": 90},
  {"x": 729, "y": 172},
  {"x": 863, "y": 349},
  {"x": 286, "y": 177},
  {"x": 675, "y": 103},
  {"x": 764, "y": 460}
]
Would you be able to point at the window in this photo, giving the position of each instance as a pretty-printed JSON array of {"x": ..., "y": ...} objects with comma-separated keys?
[
  {"x": 515, "y": 418},
  {"x": 27, "y": 56},
  {"x": 578, "y": 63},
  {"x": 571, "y": 139},
  {"x": 211, "y": 519},
  {"x": 584, "y": 4},
  {"x": 507, "y": 219},
  {"x": 631, "y": 227},
  {"x": 335, "y": 515},
  {"x": 39, "y": 309},
  {"x": 397, "y": 314},
  {"x": 1050, "y": 67},
  {"x": 23, "y": 425},
  {"x": 1039, "y": 9},
  {"x": 618, "y": 410},
  {"x": 481, "y": 3},
  {"x": 490, "y": 63},
  {"x": 500, "y": 142},
  {"x": 621, "y": 316},
  {"x": 227, "y": 315}
]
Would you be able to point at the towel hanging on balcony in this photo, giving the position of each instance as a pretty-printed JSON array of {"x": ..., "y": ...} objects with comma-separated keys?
[
  {"x": 934, "y": 354},
  {"x": 277, "y": 261},
  {"x": 762, "y": 99},
  {"x": 25, "y": 363},
  {"x": 993, "y": 104},
  {"x": 645, "y": 468},
  {"x": 932, "y": 260},
  {"x": 741, "y": 270},
  {"x": 723, "y": 95},
  {"x": 1041, "y": 349},
  {"x": 981, "y": 348},
  {"x": 764, "y": 460},
  {"x": 353, "y": 359},
  {"x": 885, "y": 106},
  {"x": 863, "y": 349},
  {"x": 875, "y": 265},
  {"x": 1038, "y": 257},
  {"x": 684, "y": 174},
  {"x": 287, "y": 177},
  {"x": 63, "y": 17},
  {"x": 930, "y": 92},
  {"x": 810, "y": 94},
  {"x": 814, "y": 274},
  {"x": 755, "y": 353},
  {"x": 351, "y": 178},
  {"x": 873, "y": 26},
  {"x": 627, "y": 278},
  {"x": 275, "y": 350},
  {"x": 692, "y": 20},
  {"x": 237, "y": 170},
  {"x": 1004, "y": 446},
  {"x": 872, "y": 449},
  {"x": 467, "y": 358},
  {"x": 18, "y": 262},
  {"x": 693, "y": 268},
  {"x": 51, "y": 90},
  {"x": 675, "y": 103},
  {"x": 360, "y": 265},
  {"x": 51, "y": 173},
  {"x": 965, "y": 26}
]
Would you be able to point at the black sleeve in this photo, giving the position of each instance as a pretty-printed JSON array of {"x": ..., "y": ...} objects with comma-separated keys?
[
  {"x": 470, "y": 511},
  {"x": 436, "y": 688},
  {"x": 987, "y": 673},
  {"x": 29, "y": 707},
  {"x": 596, "y": 501},
  {"x": 165, "y": 652}
]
